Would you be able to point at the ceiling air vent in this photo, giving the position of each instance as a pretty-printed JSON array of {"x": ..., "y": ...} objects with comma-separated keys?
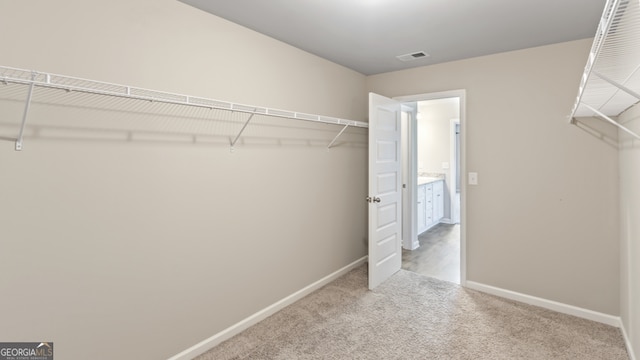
[{"x": 413, "y": 56}]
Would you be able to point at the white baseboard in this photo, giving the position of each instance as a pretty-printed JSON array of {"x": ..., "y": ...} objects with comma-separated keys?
[
  {"x": 415, "y": 245},
  {"x": 412, "y": 246},
  {"x": 449, "y": 221},
  {"x": 627, "y": 341},
  {"x": 233, "y": 330},
  {"x": 547, "y": 304}
]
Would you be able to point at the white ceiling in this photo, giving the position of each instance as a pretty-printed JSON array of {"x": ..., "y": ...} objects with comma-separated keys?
[{"x": 367, "y": 35}]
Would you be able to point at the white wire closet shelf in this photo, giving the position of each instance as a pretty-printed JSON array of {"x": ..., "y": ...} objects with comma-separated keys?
[
  {"x": 610, "y": 83},
  {"x": 32, "y": 78}
]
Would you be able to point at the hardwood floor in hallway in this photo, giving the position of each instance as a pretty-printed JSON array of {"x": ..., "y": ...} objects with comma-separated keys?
[{"x": 438, "y": 255}]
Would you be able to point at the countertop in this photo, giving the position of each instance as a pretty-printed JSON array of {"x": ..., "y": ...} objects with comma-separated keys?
[{"x": 426, "y": 180}]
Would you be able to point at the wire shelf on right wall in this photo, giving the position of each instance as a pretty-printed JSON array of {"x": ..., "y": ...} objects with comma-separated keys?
[{"x": 610, "y": 83}]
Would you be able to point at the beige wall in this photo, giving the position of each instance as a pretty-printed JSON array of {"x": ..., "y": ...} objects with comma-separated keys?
[
  {"x": 630, "y": 227},
  {"x": 139, "y": 244},
  {"x": 543, "y": 219}
]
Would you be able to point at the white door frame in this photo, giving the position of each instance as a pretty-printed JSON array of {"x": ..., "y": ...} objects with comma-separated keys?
[
  {"x": 410, "y": 177},
  {"x": 452, "y": 171},
  {"x": 461, "y": 94}
]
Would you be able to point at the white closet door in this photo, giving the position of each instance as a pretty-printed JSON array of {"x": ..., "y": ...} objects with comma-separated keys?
[{"x": 385, "y": 189}]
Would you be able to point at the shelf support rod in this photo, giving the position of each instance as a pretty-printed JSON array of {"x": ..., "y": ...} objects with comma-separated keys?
[
  {"x": 337, "y": 136},
  {"x": 27, "y": 105},
  {"x": 612, "y": 121},
  {"x": 233, "y": 143},
  {"x": 618, "y": 85}
]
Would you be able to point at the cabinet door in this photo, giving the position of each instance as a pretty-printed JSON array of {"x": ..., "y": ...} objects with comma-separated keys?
[
  {"x": 422, "y": 224},
  {"x": 438, "y": 201},
  {"x": 429, "y": 205}
]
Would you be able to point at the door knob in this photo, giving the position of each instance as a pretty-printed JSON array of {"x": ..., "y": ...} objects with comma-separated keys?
[
  {"x": 376, "y": 199},
  {"x": 372, "y": 199}
]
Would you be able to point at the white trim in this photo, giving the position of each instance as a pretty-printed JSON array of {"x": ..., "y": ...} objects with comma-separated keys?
[
  {"x": 547, "y": 304},
  {"x": 409, "y": 178},
  {"x": 627, "y": 342},
  {"x": 415, "y": 245},
  {"x": 454, "y": 207},
  {"x": 205, "y": 345},
  {"x": 431, "y": 96}
]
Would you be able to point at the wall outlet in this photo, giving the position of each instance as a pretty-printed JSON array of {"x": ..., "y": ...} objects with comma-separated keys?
[
  {"x": 473, "y": 178},
  {"x": 445, "y": 165}
]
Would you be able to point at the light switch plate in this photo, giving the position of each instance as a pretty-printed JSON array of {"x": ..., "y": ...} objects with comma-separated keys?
[
  {"x": 473, "y": 178},
  {"x": 445, "y": 165}
]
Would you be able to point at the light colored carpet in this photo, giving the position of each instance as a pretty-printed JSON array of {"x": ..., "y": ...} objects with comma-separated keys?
[{"x": 412, "y": 316}]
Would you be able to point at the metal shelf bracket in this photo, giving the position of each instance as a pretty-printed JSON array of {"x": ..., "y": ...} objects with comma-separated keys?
[
  {"x": 605, "y": 117},
  {"x": 618, "y": 85},
  {"x": 27, "y": 105},
  {"x": 337, "y": 136},
  {"x": 233, "y": 143}
]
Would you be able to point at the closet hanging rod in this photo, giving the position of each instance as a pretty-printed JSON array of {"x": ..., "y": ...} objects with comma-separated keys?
[{"x": 68, "y": 83}]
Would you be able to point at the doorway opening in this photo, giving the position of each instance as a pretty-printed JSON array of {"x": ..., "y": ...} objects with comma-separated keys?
[{"x": 433, "y": 193}]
